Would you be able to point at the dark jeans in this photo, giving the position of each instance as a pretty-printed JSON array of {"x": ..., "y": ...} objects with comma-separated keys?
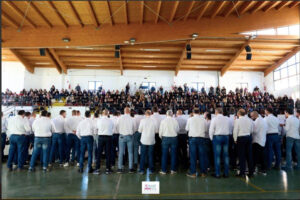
[
  {"x": 73, "y": 143},
  {"x": 232, "y": 148},
  {"x": 3, "y": 140},
  {"x": 273, "y": 141},
  {"x": 104, "y": 142},
  {"x": 147, "y": 152},
  {"x": 115, "y": 146},
  {"x": 86, "y": 142},
  {"x": 258, "y": 156},
  {"x": 41, "y": 146},
  {"x": 182, "y": 149},
  {"x": 57, "y": 143},
  {"x": 197, "y": 149},
  {"x": 136, "y": 145},
  {"x": 208, "y": 152},
  {"x": 290, "y": 143},
  {"x": 166, "y": 144},
  {"x": 26, "y": 148},
  {"x": 157, "y": 148},
  {"x": 65, "y": 146},
  {"x": 220, "y": 144},
  {"x": 244, "y": 144},
  {"x": 17, "y": 144}
]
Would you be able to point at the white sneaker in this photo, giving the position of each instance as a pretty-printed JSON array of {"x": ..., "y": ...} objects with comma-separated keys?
[
  {"x": 66, "y": 164},
  {"x": 77, "y": 165}
]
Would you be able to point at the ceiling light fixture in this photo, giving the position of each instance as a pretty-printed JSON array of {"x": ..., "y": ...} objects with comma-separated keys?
[
  {"x": 132, "y": 41},
  {"x": 66, "y": 39},
  {"x": 194, "y": 36}
]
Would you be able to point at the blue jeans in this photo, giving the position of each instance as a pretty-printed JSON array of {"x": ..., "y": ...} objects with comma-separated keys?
[
  {"x": 123, "y": 141},
  {"x": 41, "y": 145},
  {"x": 136, "y": 145},
  {"x": 147, "y": 152},
  {"x": 220, "y": 144},
  {"x": 26, "y": 148},
  {"x": 114, "y": 146},
  {"x": 57, "y": 141},
  {"x": 17, "y": 144},
  {"x": 166, "y": 144},
  {"x": 197, "y": 150},
  {"x": 273, "y": 141},
  {"x": 3, "y": 140},
  {"x": 73, "y": 144},
  {"x": 290, "y": 143},
  {"x": 86, "y": 143}
]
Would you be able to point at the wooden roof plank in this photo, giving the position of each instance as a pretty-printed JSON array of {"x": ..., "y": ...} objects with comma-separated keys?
[
  {"x": 56, "y": 57},
  {"x": 142, "y": 12},
  {"x": 202, "y": 12},
  {"x": 217, "y": 8},
  {"x": 293, "y": 4},
  {"x": 183, "y": 54},
  {"x": 9, "y": 20},
  {"x": 57, "y": 13},
  {"x": 258, "y": 6},
  {"x": 282, "y": 5},
  {"x": 192, "y": 3},
  {"x": 53, "y": 61},
  {"x": 75, "y": 13},
  {"x": 22, "y": 60},
  {"x": 121, "y": 62},
  {"x": 157, "y": 12},
  {"x": 173, "y": 11},
  {"x": 41, "y": 15},
  {"x": 231, "y": 7},
  {"x": 245, "y": 6},
  {"x": 93, "y": 14}
]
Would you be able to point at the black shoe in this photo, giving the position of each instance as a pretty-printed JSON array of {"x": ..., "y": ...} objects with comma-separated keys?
[
  {"x": 80, "y": 170},
  {"x": 241, "y": 175},
  {"x": 96, "y": 171},
  {"x": 250, "y": 175},
  {"x": 31, "y": 169},
  {"x": 135, "y": 166},
  {"x": 120, "y": 171},
  {"x": 10, "y": 169},
  {"x": 277, "y": 168},
  {"x": 214, "y": 175},
  {"x": 225, "y": 176},
  {"x": 108, "y": 171},
  {"x": 45, "y": 169},
  {"x": 131, "y": 171},
  {"x": 91, "y": 170}
]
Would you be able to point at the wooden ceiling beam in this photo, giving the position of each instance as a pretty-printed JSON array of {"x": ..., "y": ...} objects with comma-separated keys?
[
  {"x": 142, "y": 12},
  {"x": 40, "y": 14},
  {"x": 19, "y": 13},
  {"x": 245, "y": 6},
  {"x": 125, "y": 11},
  {"x": 22, "y": 60},
  {"x": 192, "y": 3},
  {"x": 93, "y": 14},
  {"x": 183, "y": 54},
  {"x": 234, "y": 58},
  {"x": 157, "y": 12},
  {"x": 109, "y": 11},
  {"x": 53, "y": 61},
  {"x": 203, "y": 10},
  {"x": 231, "y": 7},
  {"x": 57, "y": 13},
  {"x": 281, "y": 61},
  {"x": 282, "y": 5},
  {"x": 121, "y": 62},
  {"x": 295, "y": 3},
  {"x": 173, "y": 11},
  {"x": 271, "y": 5},
  {"x": 217, "y": 8},
  {"x": 57, "y": 59},
  {"x": 9, "y": 20},
  {"x": 75, "y": 13},
  {"x": 258, "y": 6}
]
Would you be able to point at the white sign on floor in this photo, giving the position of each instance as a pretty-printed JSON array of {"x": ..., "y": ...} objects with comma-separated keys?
[{"x": 150, "y": 187}]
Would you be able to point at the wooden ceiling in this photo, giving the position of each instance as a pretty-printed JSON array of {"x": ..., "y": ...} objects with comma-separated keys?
[{"x": 45, "y": 21}]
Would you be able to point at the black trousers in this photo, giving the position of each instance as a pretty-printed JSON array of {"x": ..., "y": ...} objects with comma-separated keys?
[
  {"x": 258, "y": 156},
  {"x": 244, "y": 145},
  {"x": 232, "y": 150},
  {"x": 157, "y": 149},
  {"x": 104, "y": 142},
  {"x": 182, "y": 150}
]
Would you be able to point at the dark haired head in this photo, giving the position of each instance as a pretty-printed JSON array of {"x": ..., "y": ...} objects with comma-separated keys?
[
  {"x": 48, "y": 114},
  {"x": 21, "y": 112},
  {"x": 44, "y": 113},
  {"x": 96, "y": 115},
  {"x": 155, "y": 109},
  {"x": 140, "y": 112},
  {"x": 289, "y": 111},
  {"x": 270, "y": 110},
  {"x": 62, "y": 112},
  {"x": 27, "y": 114},
  {"x": 208, "y": 116},
  {"x": 196, "y": 111},
  {"x": 87, "y": 114}
]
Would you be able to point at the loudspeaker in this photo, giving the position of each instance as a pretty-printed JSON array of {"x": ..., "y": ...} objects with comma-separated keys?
[
  {"x": 249, "y": 56},
  {"x": 188, "y": 55},
  {"x": 117, "y": 54},
  {"x": 188, "y": 47},
  {"x": 117, "y": 47},
  {"x": 42, "y": 52},
  {"x": 248, "y": 48}
]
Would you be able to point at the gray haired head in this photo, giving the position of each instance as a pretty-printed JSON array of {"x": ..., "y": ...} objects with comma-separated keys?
[{"x": 170, "y": 113}]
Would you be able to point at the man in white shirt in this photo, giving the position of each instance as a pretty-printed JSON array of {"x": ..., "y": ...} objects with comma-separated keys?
[
  {"x": 182, "y": 139},
  {"x": 219, "y": 131},
  {"x": 58, "y": 138},
  {"x": 3, "y": 134},
  {"x": 105, "y": 129},
  {"x": 126, "y": 127},
  {"x": 73, "y": 142},
  {"x": 157, "y": 147},
  {"x": 168, "y": 132},
  {"x": 17, "y": 128},
  {"x": 196, "y": 127},
  {"x": 273, "y": 142},
  {"x": 115, "y": 138},
  {"x": 243, "y": 128},
  {"x": 27, "y": 137},
  {"x": 85, "y": 131},
  {"x": 292, "y": 128},
  {"x": 137, "y": 138},
  {"x": 259, "y": 141},
  {"x": 43, "y": 128},
  {"x": 147, "y": 128}
]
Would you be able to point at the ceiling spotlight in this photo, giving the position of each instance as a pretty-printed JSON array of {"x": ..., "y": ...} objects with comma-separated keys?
[
  {"x": 194, "y": 36},
  {"x": 126, "y": 42},
  {"x": 132, "y": 41},
  {"x": 66, "y": 39}
]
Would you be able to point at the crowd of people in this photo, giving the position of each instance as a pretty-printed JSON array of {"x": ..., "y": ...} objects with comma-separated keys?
[
  {"x": 249, "y": 141},
  {"x": 181, "y": 97}
]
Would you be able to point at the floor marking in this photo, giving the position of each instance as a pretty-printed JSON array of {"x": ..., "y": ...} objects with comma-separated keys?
[
  {"x": 160, "y": 195},
  {"x": 252, "y": 185},
  {"x": 117, "y": 187}
]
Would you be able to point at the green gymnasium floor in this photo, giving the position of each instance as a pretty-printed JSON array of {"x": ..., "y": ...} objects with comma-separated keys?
[{"x": 68, "y": 183}]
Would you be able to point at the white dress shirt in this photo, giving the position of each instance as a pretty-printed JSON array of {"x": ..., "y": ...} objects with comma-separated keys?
[
  {"x": 220, "y": 125},
  {"x": 196, "y": 126},
  {"x": 126, "y": 125},
  {"x": 71, "y": 124},
  {"x": 43, "y": 127},
  {"x": 31, "y": 120},
  {"x": 17, "y": 125},
  {"x": 85, "y": 128},
  {"x": 59, "y": 123},
  {"x": 182, "y": 124},
  {"x": 168, "y": 127},
  {"x": 292, "y": 127},
  {"x": 148, "y": 128},
  {"x": 138, "y": 119},
  {"x": 3, "y": 125},
  {"x": 105, "y": 126},
  {"x": 115, "y": 121},
  {"x": 207, "y": 128},
  {"x": 259, "y": 131},
  {"x": 158, "y": 118},
  {"x": 273, "y": 124},
  {"x": 243, "y": 126},
  {"x": 28, "y": 122}
]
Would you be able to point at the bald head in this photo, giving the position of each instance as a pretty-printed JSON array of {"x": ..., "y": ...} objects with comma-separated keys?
[
  {"x": 127, "y": 110},
  {"x": 254, "y": 115},
  {"x": 105, "y": 112},
  {"x": 241, "y": 112},
  {"x": 179, "y": 112},
  {"x": 219, "y": 111},
  {"x": 170, "y": 113},
  {"x": 148, "y": 113}
]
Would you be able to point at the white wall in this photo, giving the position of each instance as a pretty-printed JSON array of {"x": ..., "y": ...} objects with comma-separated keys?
[{"x": 12, "y": 76}]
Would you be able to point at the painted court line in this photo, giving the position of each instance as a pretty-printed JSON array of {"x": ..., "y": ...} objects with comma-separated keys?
[
  {"x": 252, "y": 185},
  {"x": 117, "y": 187}
]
